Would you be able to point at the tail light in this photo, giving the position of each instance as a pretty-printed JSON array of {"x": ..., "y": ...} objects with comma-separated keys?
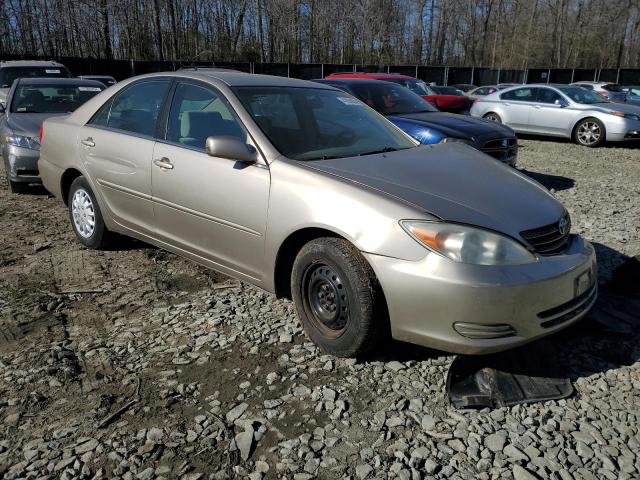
[
  {"x": 477, "y": 100},
  {"x": 41, "y": 132},
  {"x": 603, "y": 94}
]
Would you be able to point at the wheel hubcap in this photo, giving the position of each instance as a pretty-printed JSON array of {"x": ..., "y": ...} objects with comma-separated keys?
[
  {"x": 83, "y": 213},
  {"x": 327, "y": 298},
  {"x": 589, "y": 133},
  {"x": 492, "y": 118}
]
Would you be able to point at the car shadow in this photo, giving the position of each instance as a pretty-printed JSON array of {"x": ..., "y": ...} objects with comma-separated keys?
[
  {"x": 551, "y": 182},
  {"x": 607, "y": 338}
]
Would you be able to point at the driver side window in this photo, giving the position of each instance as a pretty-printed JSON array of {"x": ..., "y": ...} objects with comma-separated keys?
[{"x": 197, "y": 113}]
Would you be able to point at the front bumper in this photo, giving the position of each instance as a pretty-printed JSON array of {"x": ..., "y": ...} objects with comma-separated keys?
[
  {"x": 21, "y": 163},
  {"x": 476, "y": 309},
  {"x": 622, "y": 129}
]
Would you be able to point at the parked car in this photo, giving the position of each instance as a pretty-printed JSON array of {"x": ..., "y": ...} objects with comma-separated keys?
[
  {"x": 610, "y": 91},
  {"x": 426, "y": 123},
  {"x": 106, "y": 80},
  {"x": 14, "y": 69},
  {"x": 447, "y": 103},
  {"x": 304, "y": 191},
  {"x": 633, "y": 93},
  {"x": 465, "y": 87},
  {"x": 488, "y": 90},
  {"x": 29, "y": 103},
  {"x": 441, "y": 90},
  {"x": 561, "y": 111}
]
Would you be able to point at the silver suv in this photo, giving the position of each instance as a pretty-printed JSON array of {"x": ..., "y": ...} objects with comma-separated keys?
[
  {"x": 608, "y": 90},
  {"x": 12, "y": 70}
]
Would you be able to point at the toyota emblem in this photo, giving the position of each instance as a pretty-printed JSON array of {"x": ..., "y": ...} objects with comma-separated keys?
[{"x": 563, "y": 226}]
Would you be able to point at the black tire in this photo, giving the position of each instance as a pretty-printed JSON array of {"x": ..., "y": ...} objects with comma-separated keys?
[
  {"x": 100, "y": 237},
  {"x": 17, "y": 187},
  {"x": 584, "y": 131},
  {"x": 492, "y": 117},
  {"x": 360, "y": 320}
]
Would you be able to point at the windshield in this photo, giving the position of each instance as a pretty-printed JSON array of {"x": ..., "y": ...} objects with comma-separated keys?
[
  {"x": 582, "y": 95},
  {"x": 312, "y": 124},
  {"x": 416, "y": 86},
  {"x": 51, "y": 98},
  {"x": 9, "y": 74},
  {"x": 390, "y": 99}
]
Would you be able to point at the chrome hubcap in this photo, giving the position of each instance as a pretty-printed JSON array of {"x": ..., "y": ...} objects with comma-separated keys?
[
  {"x": 492, "y": 118},
  {"x": 589, "y": 133},
  {"x": 83, "y": 213}
]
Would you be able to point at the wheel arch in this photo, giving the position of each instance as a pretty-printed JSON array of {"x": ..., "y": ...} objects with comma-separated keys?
[
  {"x": 582, "y": 119},
  {"x": 67, "y": 178}
]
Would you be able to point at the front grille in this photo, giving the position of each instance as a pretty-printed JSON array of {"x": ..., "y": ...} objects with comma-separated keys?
[
  {"x": 501, "y": 148},
  {"x": 567, "y": 311},
  {"x": 550, "y": 239}
]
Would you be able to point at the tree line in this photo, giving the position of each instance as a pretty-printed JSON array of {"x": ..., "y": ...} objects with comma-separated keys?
[{"x": 491, "y": 33}]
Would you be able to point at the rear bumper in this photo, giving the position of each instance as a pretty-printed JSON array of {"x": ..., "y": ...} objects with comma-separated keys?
[
  {"x": 51, "y": 175},
  {"x": 21, "y": 163},
  {"x": 474, "y": 309}
]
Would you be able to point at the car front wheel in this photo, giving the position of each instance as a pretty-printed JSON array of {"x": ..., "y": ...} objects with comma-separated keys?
[
  {"x": 338, "y": 298},
  {"x": 86, "y": 218},
  {"x": 589, "y": 132}
]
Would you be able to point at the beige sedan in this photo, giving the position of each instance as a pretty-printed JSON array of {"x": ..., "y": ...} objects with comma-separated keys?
[{"x": 305, "y": 191}]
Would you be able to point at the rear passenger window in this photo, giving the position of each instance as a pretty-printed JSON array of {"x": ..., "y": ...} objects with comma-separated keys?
[
  {"x": 546, "y": 95},
  {"x": 101, "y": 117},
  {"x": 136, "y": 109},
  {"x": 197, "y": 113},
  {"x": 520, "y": 94}
]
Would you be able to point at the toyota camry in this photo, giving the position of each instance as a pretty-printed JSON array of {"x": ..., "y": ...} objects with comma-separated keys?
[{"x": 308, "y": 193}]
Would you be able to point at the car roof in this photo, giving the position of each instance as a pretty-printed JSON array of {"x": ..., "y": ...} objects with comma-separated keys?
[
  {"x": 346, "y": 81},
  {"x": 238, "y": 79},
  {"x": 59, "y": 81},
  {"x": 30, "y": 63},
  {"x": 375, "y": 75}
]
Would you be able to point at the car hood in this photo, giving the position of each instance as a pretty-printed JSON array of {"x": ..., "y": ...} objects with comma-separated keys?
[
  {"x": 454, "y": 125},
  {"x": 454, "y": 182},
  {"x": 615, "y": 107},
  {"x": 29, "y": 123}
]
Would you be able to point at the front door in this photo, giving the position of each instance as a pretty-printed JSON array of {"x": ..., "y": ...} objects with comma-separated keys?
[
  {"x": 551, "y": 113},
  {"x": 213, "y": 208},
  {"x": 116, "y": 146}
]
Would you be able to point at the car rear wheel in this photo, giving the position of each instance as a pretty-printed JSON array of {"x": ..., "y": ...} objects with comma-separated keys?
[
  {"x": 85, "y": 216},
  {"x": 590, "y": 132},
  {"x": 493, "y": 117},
  {"x": 338, "y": 298}
]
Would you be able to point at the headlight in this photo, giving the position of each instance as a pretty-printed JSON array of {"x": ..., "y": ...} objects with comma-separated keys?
[
  {"x": 22, "y": 141},
  {"x": 456, "y": 140},
  {"x": 630, "y": 116},
  {"x": 468, "y": 244}
]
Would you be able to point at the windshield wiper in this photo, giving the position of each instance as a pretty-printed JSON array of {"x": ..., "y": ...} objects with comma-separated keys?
[{"x": 382, "y": 150}]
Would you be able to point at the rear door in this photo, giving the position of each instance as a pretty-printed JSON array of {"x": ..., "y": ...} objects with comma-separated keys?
[
  {"x": 517, "y": 106},
  {"x": 213, "y": 208},
  {"x": 551, "y": 113},
  {"x": 116, "y": 146}
]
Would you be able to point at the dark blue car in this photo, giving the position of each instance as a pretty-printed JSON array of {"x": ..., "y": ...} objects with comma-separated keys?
[{"x": 426, "y": 123}]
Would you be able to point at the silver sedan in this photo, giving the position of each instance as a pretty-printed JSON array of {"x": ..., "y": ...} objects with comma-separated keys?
[{"x": 561, "y": 111}]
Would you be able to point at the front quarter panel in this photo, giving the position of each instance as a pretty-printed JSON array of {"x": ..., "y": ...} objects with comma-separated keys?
[{"x": 303, "y": 198}]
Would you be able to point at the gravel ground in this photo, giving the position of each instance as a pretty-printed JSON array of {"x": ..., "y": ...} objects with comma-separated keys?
[{"x": 136, "y": 364}]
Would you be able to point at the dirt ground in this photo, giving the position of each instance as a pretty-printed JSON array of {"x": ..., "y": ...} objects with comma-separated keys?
[{"x": 127, "y": 363}]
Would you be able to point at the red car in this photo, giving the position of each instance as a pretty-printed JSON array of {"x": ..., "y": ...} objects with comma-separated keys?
[{"x": 446, "y": 103}]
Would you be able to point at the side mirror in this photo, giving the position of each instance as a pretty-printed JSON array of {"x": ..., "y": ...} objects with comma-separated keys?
[
  {"x": 231, "y": 148},
  {"x": 561, "y": 103}
]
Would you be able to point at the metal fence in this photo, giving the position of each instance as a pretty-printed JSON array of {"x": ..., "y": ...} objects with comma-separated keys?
[{"x": 121, "y": 69}]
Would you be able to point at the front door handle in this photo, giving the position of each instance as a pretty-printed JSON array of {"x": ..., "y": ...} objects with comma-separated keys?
[
  {"x": 88, "y": 142},
  {"x": 164, "y": 163}
]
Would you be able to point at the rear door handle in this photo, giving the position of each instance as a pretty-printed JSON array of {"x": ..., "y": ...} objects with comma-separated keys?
[
  {"x": 88, "y": 142},
  {"x": 164, "y": 163}
]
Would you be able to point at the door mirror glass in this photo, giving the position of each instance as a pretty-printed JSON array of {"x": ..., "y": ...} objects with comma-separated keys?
[{"x": 231, "y": 148}]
